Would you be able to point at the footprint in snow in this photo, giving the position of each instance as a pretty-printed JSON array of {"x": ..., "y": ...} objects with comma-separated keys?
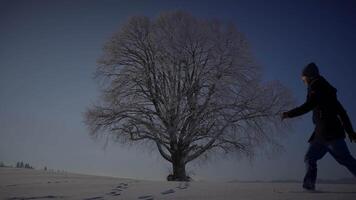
[
  {"x": 183, "y": 186},
  {"x": 94, "y": 198},
  {"x": 147, "y": 197},
  {"x": 168, "y": 192}
]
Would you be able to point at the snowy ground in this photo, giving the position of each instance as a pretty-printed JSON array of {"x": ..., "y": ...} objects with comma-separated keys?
[{"x": 16, "y": 184}]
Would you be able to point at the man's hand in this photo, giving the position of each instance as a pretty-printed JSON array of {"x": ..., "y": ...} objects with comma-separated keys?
[
  {"x": 284, "y": 115},
  {"x": 352, "y": 137}
]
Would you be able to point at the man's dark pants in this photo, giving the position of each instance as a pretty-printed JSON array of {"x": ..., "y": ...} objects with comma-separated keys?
[{"x": 337, "y": 148}]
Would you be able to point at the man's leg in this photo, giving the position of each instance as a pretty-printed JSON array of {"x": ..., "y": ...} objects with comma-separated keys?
[
  {"x": 338, "y": 149},
  {"x": 315, "y": 152}
]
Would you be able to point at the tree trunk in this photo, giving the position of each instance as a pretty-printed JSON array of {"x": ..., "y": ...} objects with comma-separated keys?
[
  {"x": 179, "y": 173},
  {"x": 179, "y": 170}
]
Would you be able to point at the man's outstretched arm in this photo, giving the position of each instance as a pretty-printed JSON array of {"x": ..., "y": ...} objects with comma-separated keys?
[{"x": 309, "y": 105}]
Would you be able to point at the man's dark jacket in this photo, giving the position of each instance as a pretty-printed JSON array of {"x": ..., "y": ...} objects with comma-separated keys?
[{"x": 330, "y": 118}]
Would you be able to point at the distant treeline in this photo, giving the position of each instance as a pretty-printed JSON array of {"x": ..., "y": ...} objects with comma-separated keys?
[
  {"x": 28, "y": 166},
  {"x": 18, "y": 165},
  {"x": 3, "y": 165},
  {"x": 23, "y": 165}
]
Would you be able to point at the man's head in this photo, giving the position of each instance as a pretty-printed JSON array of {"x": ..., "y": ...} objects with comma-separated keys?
[{"x": 309, "y": 73}]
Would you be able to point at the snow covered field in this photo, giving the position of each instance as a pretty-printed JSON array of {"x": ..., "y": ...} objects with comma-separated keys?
[{"x": 16, "y": 184}]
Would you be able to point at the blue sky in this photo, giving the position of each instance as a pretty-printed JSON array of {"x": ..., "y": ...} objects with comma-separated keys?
[{"x": 48, "y": 52}]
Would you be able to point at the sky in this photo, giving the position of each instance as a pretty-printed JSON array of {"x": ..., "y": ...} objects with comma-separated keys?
[{"x": 48, "y": 53}]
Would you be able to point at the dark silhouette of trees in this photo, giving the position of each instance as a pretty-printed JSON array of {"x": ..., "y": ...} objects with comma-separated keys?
[
  {"x": 23, "y": 165},
  {"x": 20, "y": 165},
  {"x": 188, "y": 86}
]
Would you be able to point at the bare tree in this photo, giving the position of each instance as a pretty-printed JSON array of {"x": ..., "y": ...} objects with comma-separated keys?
[{"x": 187, "y": 85}]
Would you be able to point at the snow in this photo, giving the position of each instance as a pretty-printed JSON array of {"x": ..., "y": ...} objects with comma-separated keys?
[{"x": 28, "y": 184}]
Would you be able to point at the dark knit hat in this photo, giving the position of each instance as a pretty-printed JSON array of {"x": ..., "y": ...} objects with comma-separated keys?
[{"x": 311, "y": 70}]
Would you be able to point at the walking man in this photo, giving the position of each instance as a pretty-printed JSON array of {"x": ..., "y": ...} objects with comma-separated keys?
[{"x": 331, "y": 121}]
